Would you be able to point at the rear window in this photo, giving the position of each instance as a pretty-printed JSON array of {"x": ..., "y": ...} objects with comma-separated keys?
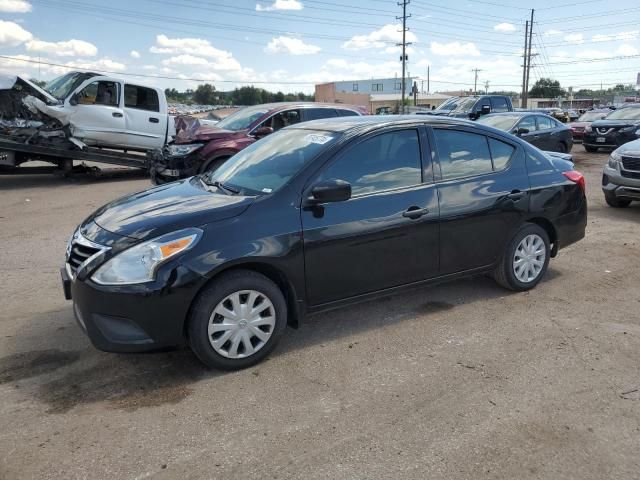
[
  {"x": 318, "y": 113},
  {"x": 142, "y": 98},
  {"x": 499, "y": 104}
]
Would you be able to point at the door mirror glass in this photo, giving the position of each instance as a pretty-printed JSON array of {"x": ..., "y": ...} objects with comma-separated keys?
[
  {"x": 74, "y": 99},
  {"x": 521, "y": 131},
  {"x": 328, "y": 191},
  {"x": 263, "y": 132},
  {"x": 485, "y": 110}
]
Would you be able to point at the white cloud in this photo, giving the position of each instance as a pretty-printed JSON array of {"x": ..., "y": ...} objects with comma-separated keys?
[
  {"x": 616, "y": 36},
  {"x": 290, "y": 45},
  {"x": 15, "y": 6},
  {"x": 552, "y": 33},
  {"x": 390, "y": 33},
  {"x": 219, "y": 59},
  {"x": 29, "y": 66},
  {"x": 505, "y": 27},
  {"x": 626, "y": 50},
  {"x": 149, "y": 67},
  {"x": 574, "y": 38},
  {"x": 280, "y": 5},
  {"x": 134, "y": 54},
  {"x": 68, "y": 48},
  {"x": 185, "y": 60},
  {"x": 12, "y": 34},
  {"x": 455, "y": 49}
]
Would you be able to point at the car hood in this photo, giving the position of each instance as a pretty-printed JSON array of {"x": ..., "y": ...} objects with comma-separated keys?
[
  {"x": 577, "y": 124},
  {"x": 190, "y": 129},
  {"x": 630, "y": 148},
  {"x": 613, "y": 123},
  {"x": 170, "y": 207}
]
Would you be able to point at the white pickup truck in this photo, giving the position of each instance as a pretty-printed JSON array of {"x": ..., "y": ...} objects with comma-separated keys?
[{"x": 78, "y": 114}]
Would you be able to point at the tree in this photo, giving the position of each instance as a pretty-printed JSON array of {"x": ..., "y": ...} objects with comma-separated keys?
[
  {"x": 547, "y": 88},
  {"x": 205, "y": 94}
]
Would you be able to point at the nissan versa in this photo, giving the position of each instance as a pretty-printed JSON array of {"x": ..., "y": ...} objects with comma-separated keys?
[{"x": 315, "y": 216}]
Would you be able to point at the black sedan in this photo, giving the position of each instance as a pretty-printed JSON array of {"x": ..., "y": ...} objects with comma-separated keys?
[
  {"x": 540, "y": 130},
  {"x": 619, "y": 127},
  {"x": 315, "y": 216}
]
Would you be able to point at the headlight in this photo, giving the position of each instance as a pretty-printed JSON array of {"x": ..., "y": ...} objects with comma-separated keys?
[
  {"x": 614, "y": 159},
  {"x": 588, "y": 128},
  {"x": 628, "y": 129},
  {"x": 638, "y": 132},
  {"x": 182, "y": 150},
  {"x": 139, "y": 263}
]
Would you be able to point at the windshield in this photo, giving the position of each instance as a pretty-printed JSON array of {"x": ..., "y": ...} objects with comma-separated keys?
[
  {"x": 501, "y": 122},
  {"x": 625, "y": 114},
  {"x": 591, "y": 116},
  {"x": 242, "y": 119},
  {"x": 268, "y": 164},
  {"x": 61, "y": 87},
  {"x": 448, "y": 105},
  {"x": 465, "y": 104}
]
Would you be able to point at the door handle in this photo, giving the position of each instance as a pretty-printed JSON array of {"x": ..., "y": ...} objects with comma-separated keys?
[
  {"x": 117, "y": 114},
  {"x": 415, "y": 212},
  {"x": 154, "y": 120},
  {"x": 515, "y": 195}
]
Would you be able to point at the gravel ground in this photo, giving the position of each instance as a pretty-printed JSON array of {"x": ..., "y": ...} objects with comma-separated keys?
[{"x": 462, "y": 380}]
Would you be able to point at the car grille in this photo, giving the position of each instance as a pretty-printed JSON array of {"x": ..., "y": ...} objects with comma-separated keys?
[
  {"x": 627, "y": 174},
  {"x": 630, "y": 163},
  {"x": 606, "y": 130},
  {"x": 80, "y": 250}
]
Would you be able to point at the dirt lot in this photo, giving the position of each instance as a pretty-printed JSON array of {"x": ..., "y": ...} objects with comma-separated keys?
[{"x": 463, "y": 380}]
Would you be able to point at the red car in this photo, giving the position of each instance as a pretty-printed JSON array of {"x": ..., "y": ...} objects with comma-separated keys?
[
  {"x": 198, "y": 149},
  {"x": 577, "y": 127}
]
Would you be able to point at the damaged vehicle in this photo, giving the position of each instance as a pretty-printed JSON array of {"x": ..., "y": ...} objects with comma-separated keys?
[
  {"x": 202, "y": 148},
  {"x": 80, "y": 110}
]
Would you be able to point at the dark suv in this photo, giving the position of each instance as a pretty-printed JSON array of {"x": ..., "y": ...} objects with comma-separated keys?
[
  {"x": 315, "y": 216},
  {"x": 619, "y": 127},
  {"x": 207, "y": 147},
  {"x": 474, "y": 106}
]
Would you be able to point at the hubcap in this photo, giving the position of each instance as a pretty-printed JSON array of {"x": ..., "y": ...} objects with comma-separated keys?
[
  {"x": 241, "y": 324},
  {"x": 529, "y": 258}
]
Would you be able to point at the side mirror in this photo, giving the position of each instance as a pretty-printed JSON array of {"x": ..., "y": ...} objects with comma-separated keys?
[
  {"x": 329, "y": 191},
  {"x": 520, "y": 131},
  {"x": 263, "y": 132},
  {"x": 74, "y": 99},
  {"x": 485, "y": 110}
]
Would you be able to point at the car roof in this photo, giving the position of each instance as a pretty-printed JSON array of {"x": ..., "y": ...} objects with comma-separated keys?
[{"x": 370, "y": 122}]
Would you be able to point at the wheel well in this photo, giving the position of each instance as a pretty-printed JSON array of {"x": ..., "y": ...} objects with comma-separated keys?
[
  {"x": 205, "y": 165},
  {"x": 551, "y": 231},
  {"x": 273, "y": 274}
]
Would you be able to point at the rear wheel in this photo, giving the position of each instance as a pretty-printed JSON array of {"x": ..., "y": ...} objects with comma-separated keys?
[
  {"x": 237, "y": 320},
  {"x": 561, "y": 148},
  {"x": 590, "y": 149},
  {"x": 615, "y": 202},
  {"x": 526, "y": 259}
]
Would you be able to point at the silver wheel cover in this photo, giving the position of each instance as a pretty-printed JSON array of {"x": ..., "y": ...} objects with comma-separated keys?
[
  {"x": 241, "y": 324},
  {"x": 529, "y": 258}
]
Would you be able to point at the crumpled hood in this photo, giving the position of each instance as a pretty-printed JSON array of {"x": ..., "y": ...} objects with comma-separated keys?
[
  {"x": 189, "y": 130},
  {"x": 168, "y": 208}
]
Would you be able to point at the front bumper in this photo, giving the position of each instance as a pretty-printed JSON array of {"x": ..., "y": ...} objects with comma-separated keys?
[
  {"x": 619, "y": 185},
  {"x": 610, "y": 140},
  {"x": 134, "y": 318},
  {"x": 164, "y": 168}
]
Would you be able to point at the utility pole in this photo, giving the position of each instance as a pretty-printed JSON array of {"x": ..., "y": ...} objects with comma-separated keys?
[
  {"x": 526, "y": 92},
  {"x": 523, "y": 96},
  {"x": 475, "y": 82},
  {"x": 428, "y": 86},
  {"x": 486, "y": 87},
  {"x": 404, "y": 43}
]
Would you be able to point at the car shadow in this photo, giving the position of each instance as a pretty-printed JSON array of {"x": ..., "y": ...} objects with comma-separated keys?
[
  {"x": 66, "y": 372},
  {"x": 14, "y": 181}
]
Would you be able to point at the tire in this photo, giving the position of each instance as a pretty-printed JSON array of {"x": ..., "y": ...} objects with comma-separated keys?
[
  {"x": 230, "y": 293},
  {"x": 505, "y": 273},
  {"x": 615, "y": 202},
  {"x": 213, "y": 164},
  {"x": 561, "y": 148},
  {"x": 590, "y": 149}
]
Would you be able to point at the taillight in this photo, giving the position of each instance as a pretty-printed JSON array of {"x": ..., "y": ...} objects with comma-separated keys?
[{"x": 576, "y": 177}]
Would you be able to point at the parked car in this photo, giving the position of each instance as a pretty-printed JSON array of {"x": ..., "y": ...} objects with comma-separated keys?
[
  {"x": 621, "y": 175},
  {"x": 315, "y": 216},
  {"x": 473, "y": 107},
  {"x": 208, "y": 147},
  {"x": 540, "y": 130},
  {"x": 572, "y": 114},
  {"x": 619, "y": 127},
  {"x": 577, "y": 127}
]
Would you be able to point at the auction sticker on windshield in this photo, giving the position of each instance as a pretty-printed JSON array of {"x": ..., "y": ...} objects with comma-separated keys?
[{"x": 319, "y": 139}]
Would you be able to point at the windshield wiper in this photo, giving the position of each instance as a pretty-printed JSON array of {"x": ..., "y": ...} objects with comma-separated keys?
[{"x": 220, "y": 185}]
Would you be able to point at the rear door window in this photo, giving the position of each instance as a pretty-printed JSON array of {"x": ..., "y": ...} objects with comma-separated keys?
[
  {"x": 318, "y": 113},
  {"x": 462, "y": 154},
  {"x": 529, "y": 123},
  {"x": 282, "y": 119},
  {"x": 501, "y": 153},
  {"x": 142, "y": 98},
  {"x": 499, "y": 104},
  {"x": 383, "y": 162},
  {"x": 545, "y": 123}
]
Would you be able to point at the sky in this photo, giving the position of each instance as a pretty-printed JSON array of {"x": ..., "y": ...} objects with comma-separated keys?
[{"x": 290, "y": 45}]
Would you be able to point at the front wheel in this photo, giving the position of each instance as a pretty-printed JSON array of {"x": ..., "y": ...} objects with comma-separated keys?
[
  {"x": 237, "y": 320},
  {"x": 615, "y": 202},
  {"x": 526, "y": 259}
]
